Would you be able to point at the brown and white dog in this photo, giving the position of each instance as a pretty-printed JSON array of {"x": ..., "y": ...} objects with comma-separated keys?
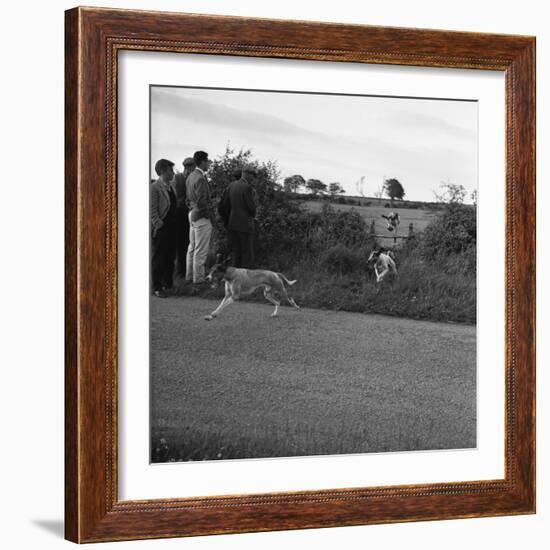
[
  {"x": 393, "y": 220},
  {"x": 240, "y": 282},
  {"x": 383, "y": 262}
]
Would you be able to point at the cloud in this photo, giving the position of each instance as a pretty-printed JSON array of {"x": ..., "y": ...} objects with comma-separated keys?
[
  {"x": 205, "y": 112},
  {"x": 419, "y": 148},
  {"x": 269, "y": 128},
  {"x": 429, "y": 123}
]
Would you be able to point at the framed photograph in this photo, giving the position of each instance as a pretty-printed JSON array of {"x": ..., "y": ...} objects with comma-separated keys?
[{"x": 300, "y": 275}]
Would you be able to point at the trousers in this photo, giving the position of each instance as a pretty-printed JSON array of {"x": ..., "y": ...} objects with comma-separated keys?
[
  {"x": 163, "y": 248},
  {"x": 200, "y": 232},
  {"x": 241, "y": 245},
  {"x": 182, "y": 239}
]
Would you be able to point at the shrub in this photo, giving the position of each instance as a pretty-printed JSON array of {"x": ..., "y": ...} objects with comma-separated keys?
[
  {"x": 453, "y": 231},
  {"x": 281, "y": 228},
  {"x": 342, "y": 259}
]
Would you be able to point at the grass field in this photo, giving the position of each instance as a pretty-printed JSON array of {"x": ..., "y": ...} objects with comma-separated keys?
[
  {"x": 419, "y": 218},
  {"x": 306, "y": 383}
]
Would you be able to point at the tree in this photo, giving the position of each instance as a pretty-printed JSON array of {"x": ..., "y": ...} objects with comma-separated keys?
[
  {"x": 335, "y": 189},
  {"x": 316, "y": 186},
  {"x": 451, "y": 193},
  {"x": 293, "y": 183},
  {"x": 394, "y": 189},
  {"x": 224, "y": 168},
  {"x": 277, "y": 211}
]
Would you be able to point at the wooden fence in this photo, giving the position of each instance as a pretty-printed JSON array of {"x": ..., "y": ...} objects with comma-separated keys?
[{"x": 395, "y": 236}]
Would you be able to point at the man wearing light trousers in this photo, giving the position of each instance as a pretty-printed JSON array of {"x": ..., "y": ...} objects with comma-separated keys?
[{"x": 200, "y": 219}]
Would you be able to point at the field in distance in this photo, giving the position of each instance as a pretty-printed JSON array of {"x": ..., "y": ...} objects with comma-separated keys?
[{"x": 419, "y": 218}]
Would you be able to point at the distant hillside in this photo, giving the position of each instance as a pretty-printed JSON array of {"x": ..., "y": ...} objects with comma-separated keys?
[
  {"x": 372, "y": 201},
  {"x": 418, "y": 216}
]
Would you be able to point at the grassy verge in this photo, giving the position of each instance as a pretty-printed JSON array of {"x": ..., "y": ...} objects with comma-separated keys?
[{"x": 420, "y": 291}]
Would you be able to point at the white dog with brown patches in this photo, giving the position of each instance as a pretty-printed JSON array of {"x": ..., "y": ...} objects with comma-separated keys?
[
  {"x": 383, "y": 262},
  {"x": 239, "y": 282}
]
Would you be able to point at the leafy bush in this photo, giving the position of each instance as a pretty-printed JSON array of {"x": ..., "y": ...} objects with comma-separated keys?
[
  {"x": 454, "y": 231},
  {"x": 342, "y": 259}
]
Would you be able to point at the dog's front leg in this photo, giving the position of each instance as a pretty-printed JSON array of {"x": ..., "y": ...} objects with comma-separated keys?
[{"x": 224, "y": 303}]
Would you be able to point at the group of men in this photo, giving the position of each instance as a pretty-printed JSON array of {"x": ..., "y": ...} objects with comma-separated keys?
[{"x": 182, "y": 219}]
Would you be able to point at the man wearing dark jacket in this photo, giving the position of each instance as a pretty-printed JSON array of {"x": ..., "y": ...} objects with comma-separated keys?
[
  {"x": 163, "y": 205},
  {"x": 238, "y": 210}
]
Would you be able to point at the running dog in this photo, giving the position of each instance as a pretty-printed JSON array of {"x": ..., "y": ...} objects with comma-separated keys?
[
  {"x": 383, "y": 262},
  {"x": 240, "y": 282}
]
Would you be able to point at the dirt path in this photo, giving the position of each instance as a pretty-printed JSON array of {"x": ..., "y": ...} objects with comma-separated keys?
[{"x": 307, "y": 382}]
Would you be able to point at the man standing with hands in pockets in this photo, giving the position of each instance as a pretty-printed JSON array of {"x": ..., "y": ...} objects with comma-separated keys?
[{"x": 200, "y": 219}]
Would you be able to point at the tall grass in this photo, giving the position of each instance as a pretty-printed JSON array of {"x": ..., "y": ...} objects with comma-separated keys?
[
  {"x": 421, "y": 290},
  {"x": 339, "y": 279}
]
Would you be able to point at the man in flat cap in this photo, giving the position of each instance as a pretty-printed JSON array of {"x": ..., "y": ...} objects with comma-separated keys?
[
  {"x": 200, "y": 218},
  {"x": 163, "y": 206},
  {"x": 238, "y": 210},
  {"x": 182, "y": 230}
]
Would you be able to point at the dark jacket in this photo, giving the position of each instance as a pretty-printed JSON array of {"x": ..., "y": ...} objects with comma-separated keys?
[
  {"x": 181, "y": 191},
  {"x": 238, "y": 207},
  {"x": 159, "y": 205}
]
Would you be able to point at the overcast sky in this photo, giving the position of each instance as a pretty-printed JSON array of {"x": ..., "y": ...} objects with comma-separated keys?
[{"x": 334, "y": 138}]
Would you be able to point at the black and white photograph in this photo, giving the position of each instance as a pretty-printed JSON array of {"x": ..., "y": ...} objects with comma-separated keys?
[
  {"x": 312, "y": 273},
  {"x": 285, "y": 282}
]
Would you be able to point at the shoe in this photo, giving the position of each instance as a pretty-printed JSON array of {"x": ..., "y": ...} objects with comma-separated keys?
[{"x": 160, "y": 293}]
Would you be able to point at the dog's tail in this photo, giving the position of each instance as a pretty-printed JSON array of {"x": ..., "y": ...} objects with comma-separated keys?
[{"x": 289, "y": 283}]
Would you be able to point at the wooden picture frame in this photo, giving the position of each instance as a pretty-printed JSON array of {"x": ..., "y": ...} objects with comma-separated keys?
[{"x": 93, "y": 511}]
